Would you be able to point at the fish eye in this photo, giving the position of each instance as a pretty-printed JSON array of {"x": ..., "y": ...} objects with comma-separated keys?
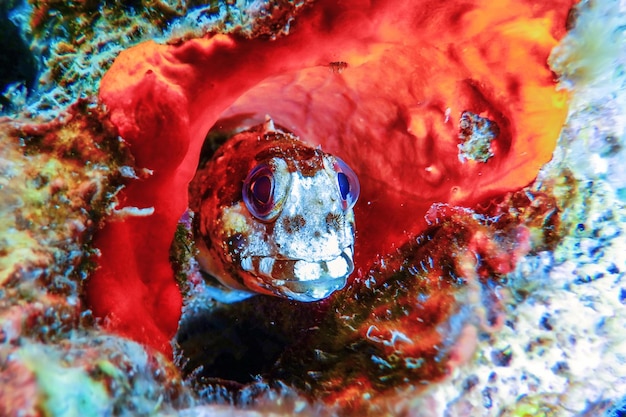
[
  {"x": 264, "y": 191},
  {"x": 344, "y": 185},
  {"x": 347, "y": 183},
  {"x": 261, "y": 189}
]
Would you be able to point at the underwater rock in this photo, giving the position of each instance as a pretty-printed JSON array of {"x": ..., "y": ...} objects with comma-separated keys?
[
  {"x": 92, "y": 374},
  {"x": 58, "y": 180}
]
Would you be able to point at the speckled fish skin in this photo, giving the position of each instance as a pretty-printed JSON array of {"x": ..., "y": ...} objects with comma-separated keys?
[{"x": 303, "y": 249}]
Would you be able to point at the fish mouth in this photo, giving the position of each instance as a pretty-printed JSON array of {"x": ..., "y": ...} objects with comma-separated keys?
[{"x": 299, "y": 279}]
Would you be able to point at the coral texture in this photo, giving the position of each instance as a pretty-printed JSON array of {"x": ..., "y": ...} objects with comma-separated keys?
[{"x": 58, "y": 181}]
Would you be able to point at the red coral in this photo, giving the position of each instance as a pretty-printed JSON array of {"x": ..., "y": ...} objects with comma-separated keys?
[{"x": 392, "y": 112}]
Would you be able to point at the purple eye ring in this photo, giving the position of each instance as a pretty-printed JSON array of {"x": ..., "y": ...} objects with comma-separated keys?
[
  {"x": 347, "y": 184},
  {"x": 258, "y": 191},
  {"x": 264, "y": 190}
]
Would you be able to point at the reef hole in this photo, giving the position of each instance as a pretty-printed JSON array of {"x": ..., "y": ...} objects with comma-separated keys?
[{"x": 241, "y": 341}]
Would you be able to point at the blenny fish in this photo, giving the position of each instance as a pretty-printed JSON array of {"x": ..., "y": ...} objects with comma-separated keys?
[{"x": 274, "y": 215}]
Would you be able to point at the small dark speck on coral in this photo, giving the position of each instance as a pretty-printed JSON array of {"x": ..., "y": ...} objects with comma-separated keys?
[
  {"x": 596, "y": 252},
  {"x": 583, "y": 280},
  {"x": 622, "y": 295},
  {"x": 484, "y": 337},
  {"x": 487, "y": 401},
  {"x": 612, "y": 269},
  {"x": 546, "y": 322},
  {"x": 502, "y": 357},
  {"x": 470, "y": 383},
  {"x": 560, "y": 368},
  {"x": 601, "y": 326}
]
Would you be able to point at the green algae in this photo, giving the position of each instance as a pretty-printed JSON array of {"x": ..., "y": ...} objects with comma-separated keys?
[
  {"x": 476, "y": 135},
  {"x": 540, "y": 405},
  {"x": 66, "y": 392}
]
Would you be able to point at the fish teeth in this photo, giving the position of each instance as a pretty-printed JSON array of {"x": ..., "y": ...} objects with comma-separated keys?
[
  {"x": 307, "y": 271},
  {"x": 338, "y": 267},
  {"x": 300, "y": 270},
  {"x": 246, "y": 264},
  {"x": 266, "y": 265}
]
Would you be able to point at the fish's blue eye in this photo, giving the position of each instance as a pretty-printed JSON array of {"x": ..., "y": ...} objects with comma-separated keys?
[
  {"x": 347, "y": 183},
  {"x": 344, "y": 185}
]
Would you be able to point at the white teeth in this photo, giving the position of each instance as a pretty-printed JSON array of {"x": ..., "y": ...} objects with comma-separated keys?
[
  {"x": 338, "y": 267},
  {"x": 306, "y": 271},
  {"x": 246, "y": 264},
  {"x": 266, "y": 265},
  {"x": 299, "y": 270}
]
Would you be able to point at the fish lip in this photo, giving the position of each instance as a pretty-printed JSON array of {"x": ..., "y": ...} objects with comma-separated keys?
[
  {"x": 311, "y": 291},
  {"x": 299, "y": 279},
  {"x": 264, "y": 266}
]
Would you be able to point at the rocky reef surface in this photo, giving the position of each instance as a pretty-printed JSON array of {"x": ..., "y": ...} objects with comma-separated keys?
[{"x": 535, "y": 327}]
